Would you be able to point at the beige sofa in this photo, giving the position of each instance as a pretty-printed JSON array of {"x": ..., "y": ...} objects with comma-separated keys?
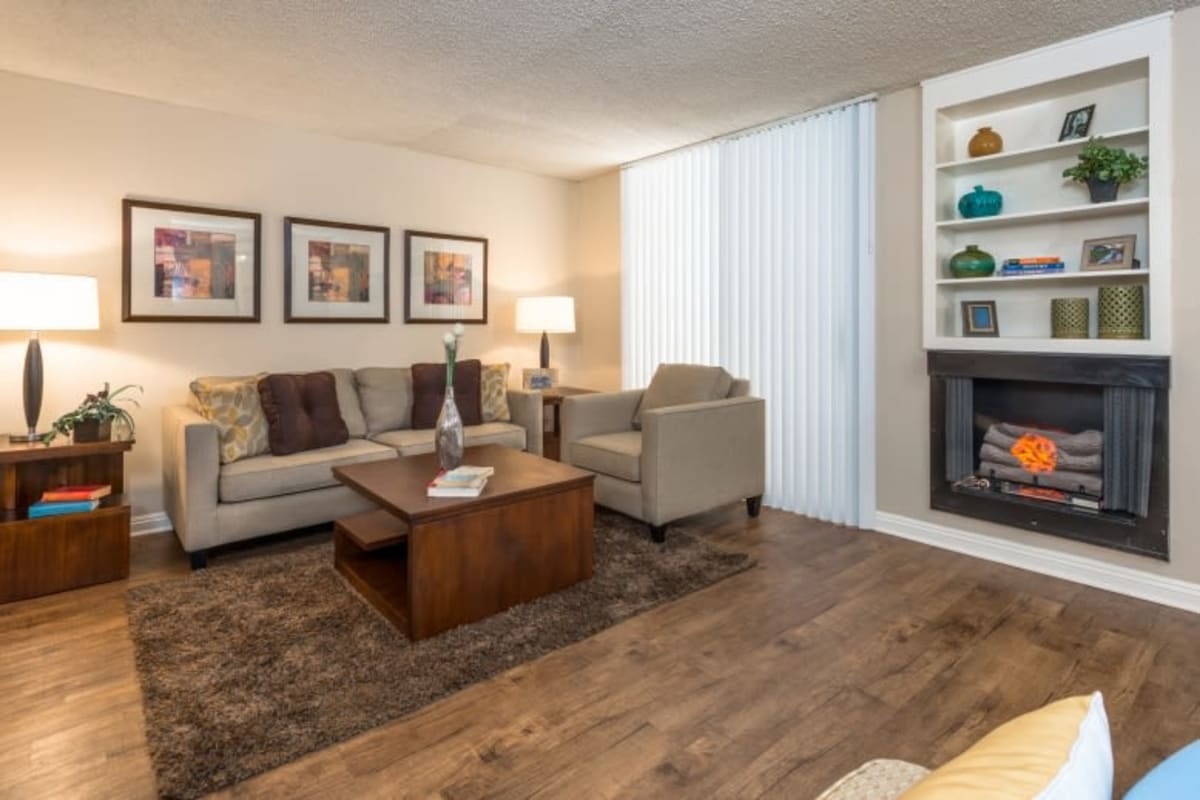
[{"x": 212, "y": 504}]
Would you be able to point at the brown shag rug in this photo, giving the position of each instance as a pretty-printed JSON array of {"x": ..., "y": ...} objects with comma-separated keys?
[{"x": 249, "y": 666}]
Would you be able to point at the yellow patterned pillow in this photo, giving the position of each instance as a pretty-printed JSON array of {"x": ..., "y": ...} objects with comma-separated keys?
[
  {"x": 232, "y": 405},
  {"x": 493, "y": 387}
]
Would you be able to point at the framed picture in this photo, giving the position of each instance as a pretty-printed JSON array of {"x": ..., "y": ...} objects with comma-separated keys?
[
  {"x": 189, "y": 264},
  {"x": 1077, "y": 123},
  {"x": 445, "y": 278},
  {"x": 979, "y": 318},
  {"x": 533, "y": 379},
  {"x": 1112, "y": 252},
  {"x": 334, "y": 271}
]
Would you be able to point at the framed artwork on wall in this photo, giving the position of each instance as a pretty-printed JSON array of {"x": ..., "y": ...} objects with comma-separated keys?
[
  {"x": 445, "y": 278},
  {"x": 334, "y": 271},
  {"x": 189, "y": 263}
]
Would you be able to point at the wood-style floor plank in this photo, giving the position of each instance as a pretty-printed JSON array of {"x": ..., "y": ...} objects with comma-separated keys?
[{"x": 840, "y": 646}]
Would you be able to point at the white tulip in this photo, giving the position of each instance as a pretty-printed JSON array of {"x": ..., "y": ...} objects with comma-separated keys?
[
  {"x": 459, "y": 330},
  {"x": 448, "y": 338}
]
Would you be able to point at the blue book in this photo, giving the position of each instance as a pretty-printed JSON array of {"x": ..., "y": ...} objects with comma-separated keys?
[{"x": 44, "y": 509}]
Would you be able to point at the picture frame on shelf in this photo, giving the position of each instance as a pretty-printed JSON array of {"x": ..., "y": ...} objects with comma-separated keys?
[
  {"x": 535, "y": 379},
  {"x": 979, "y": 318},
  {"x": 445, "y": 278},
  {"x": 335, "y": 271},
  {"x": 1108, "y": 253},
  {"x": 1077, "y": 123},
  {"x": 183, "y": 263}
]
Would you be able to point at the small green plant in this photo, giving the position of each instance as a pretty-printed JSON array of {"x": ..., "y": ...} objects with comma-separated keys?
[
  {"x": 101, "y": 407},
  {"x": 1105, "y": 164}
]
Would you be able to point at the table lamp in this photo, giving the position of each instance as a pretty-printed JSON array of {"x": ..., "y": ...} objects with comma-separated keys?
[
  {"x": 38, "y": 301},
  {"x": 545, "y": 315}
]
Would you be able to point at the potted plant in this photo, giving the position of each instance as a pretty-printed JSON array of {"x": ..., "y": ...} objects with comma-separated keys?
[
  {"x": 92, "y": 420},
  {"x": 1105, "y": 168}
]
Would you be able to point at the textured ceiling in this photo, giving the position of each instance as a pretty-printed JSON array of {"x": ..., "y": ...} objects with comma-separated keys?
[{"x": 559, "y": 87}]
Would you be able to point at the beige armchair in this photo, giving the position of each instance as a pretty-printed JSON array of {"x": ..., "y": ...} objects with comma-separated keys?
[{"x": 687, "y": 457}]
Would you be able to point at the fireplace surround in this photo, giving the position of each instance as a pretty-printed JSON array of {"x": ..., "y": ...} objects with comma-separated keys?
[{"x": 1117, "y": 492}]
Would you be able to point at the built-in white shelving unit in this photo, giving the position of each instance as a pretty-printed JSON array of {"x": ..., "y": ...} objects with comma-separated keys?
[{"x": 1125, "y": 73}]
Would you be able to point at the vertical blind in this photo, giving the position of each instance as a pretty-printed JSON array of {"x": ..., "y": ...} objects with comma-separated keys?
[{"x": 755, "y": 253}]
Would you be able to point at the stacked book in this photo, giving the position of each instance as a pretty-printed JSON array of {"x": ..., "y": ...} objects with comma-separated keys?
[
  {"x": 461, "y": 481},
  {"x": 69, "y": 500},
  {"x": 1032, "y": 266}
]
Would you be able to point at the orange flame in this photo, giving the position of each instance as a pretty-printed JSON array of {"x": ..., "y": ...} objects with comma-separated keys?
[{"x": 1036, "y": 453}]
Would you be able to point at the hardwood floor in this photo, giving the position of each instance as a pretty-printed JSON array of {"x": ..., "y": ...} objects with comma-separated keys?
[{"x": 839, "y": 647}]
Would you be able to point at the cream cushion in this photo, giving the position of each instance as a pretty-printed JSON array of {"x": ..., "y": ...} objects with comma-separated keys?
[
  {"x": 493, "y": 391},
  {"x": 233, "y": 405},
  {"x": 269, "y": 476},
  {"x": 348, "y": 404},
  {"x": 386, "y": 394},
  {"x": 615, "y": 454},
  {"x": 1059, "y": 752},
  {"x": 881, "y": 779},
  {"x": 677, "y": 384},
  {"x": 414, "y": 442}
]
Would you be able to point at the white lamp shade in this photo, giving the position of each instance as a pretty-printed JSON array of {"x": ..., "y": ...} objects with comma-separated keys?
[
  {"x": 40, "y": 301},
  {"x": 545, "y": 315}
]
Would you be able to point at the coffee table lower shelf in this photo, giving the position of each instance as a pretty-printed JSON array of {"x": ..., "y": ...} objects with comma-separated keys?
[{"x": 371, "y": 551}]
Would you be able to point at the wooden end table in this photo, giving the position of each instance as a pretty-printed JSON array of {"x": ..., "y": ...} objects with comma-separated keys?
[
  {"x": 52, "y": 554},
  {"x": 430, "y": 564},
  {"x": 552, "y": 436}
]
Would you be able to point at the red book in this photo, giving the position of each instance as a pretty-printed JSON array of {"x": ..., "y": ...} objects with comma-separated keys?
[{"x": 68, "y": 494}]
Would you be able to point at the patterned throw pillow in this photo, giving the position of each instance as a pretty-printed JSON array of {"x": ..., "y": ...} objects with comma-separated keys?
[
  {"x": 233, "y": 405},
  {"x": 493, "y": 388}
]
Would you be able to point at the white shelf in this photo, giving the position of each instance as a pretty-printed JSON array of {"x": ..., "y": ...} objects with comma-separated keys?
[
  {"x": 1116, "y": 207},
  {"x": 1034, "y": 344},
  {"x": 1099, "y": 275},
  {"x": 1012, "y": 158}
]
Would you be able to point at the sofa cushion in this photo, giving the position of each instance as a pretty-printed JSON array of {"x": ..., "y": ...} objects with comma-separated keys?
[
  {"x": 302, "y": 412},
  {"x": 413, "y": 442},
  {"x": 493, "y": 393},
  {"x": 348, "y": 403},
  {"x": 270, "y": 476},
  {"x": 677, "y": 384},
  {"x": 615, "y": 454},
  {"x": 881, "y": 779},
  {"x": 429, "y": 390},
  {"x": 233, "y": 405},
  {"x": 386, "y": 394}
]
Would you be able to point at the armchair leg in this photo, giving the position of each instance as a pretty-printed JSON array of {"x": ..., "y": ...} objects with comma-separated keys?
[
  {"x": 754, "y": 505},
  {"x": 199, "y": 559},
  {"x": 658, "y": 533}
]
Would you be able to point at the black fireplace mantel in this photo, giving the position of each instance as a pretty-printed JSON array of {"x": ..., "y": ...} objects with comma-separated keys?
[{"x": 1150, "y": 372}]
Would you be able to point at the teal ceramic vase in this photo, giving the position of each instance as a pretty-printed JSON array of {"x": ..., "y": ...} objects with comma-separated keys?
[
  {"x": 972, "y": 263},
  {"x": 980, "y": 202}
]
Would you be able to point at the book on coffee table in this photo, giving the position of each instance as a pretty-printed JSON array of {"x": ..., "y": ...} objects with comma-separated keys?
[{"x": 464, "y": 481}]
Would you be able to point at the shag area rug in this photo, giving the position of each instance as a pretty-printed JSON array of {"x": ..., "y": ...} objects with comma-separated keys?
[{"x": 249, "y": 666}]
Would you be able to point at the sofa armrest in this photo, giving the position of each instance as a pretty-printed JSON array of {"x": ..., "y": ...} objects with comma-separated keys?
[
  {"x": 585, "y": 415},
  {"x": 525, "y": 409},
  {"x": 191, "y": 469},
  {"x": 698, "y": 456}
]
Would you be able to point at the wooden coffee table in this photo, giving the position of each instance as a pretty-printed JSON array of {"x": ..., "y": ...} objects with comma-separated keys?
[{"x": 429, "y": 564}]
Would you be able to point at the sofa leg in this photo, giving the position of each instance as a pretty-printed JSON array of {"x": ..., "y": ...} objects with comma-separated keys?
[
  {"x": 754, "y": 505},
  {"x": 199, "y": 559},
  {"x": 658, "y": 533}
]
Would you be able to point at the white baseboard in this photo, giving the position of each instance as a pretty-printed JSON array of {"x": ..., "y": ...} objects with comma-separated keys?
[
  {"x": 1088, "y": 571},
  {"x": 142, "y": 524}
]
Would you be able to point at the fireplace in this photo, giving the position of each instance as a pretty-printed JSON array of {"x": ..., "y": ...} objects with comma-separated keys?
[{"x": 1072, "y": 446}]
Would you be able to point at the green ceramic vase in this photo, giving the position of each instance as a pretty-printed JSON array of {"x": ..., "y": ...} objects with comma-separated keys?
[{"x": 972, "y": 263}]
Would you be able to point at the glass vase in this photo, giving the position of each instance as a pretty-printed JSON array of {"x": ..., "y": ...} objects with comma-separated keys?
[{"x": 448, "y": 434}]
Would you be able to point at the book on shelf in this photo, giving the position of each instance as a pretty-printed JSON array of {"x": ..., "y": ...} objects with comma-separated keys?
[
  {"x": 44, "y": 509},
  {"x": 72, "y": 493},
  {"x": 463, "y": 481},
  {"x": 1032, "y": 269},
  {"x": 1033, "y": 261}
]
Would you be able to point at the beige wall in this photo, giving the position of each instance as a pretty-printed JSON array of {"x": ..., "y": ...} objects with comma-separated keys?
[
  {"x": 596, "y": 278},
  {"x": 902, "y": 396},
  {"x": 69, "y": 155}
]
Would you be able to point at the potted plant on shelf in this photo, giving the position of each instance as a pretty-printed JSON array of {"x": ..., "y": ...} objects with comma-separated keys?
[
  {"x": 1104, "y": 168},
  {"x": 92, "y": 420}
]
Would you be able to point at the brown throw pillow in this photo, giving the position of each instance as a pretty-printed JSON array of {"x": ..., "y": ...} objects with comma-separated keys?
[
  {"x": 302, "y": 412},
  {"x": 429, "y": 390}
]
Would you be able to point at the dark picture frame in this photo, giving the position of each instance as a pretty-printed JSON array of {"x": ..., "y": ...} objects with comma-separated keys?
[
  {"x": 1108, "y": 252},
  {"x": 184, "y": 263},
  {"x": 1077, "y": 123},
  {"x": 356, "y": 290},
  {"x": 445, "y": 278},
  {"x": 979, "y": 318}
]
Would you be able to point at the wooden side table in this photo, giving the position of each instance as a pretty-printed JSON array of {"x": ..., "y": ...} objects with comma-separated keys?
[
  {"x": 53, "y": 554},
  {"x": 552, "y": 433}
]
